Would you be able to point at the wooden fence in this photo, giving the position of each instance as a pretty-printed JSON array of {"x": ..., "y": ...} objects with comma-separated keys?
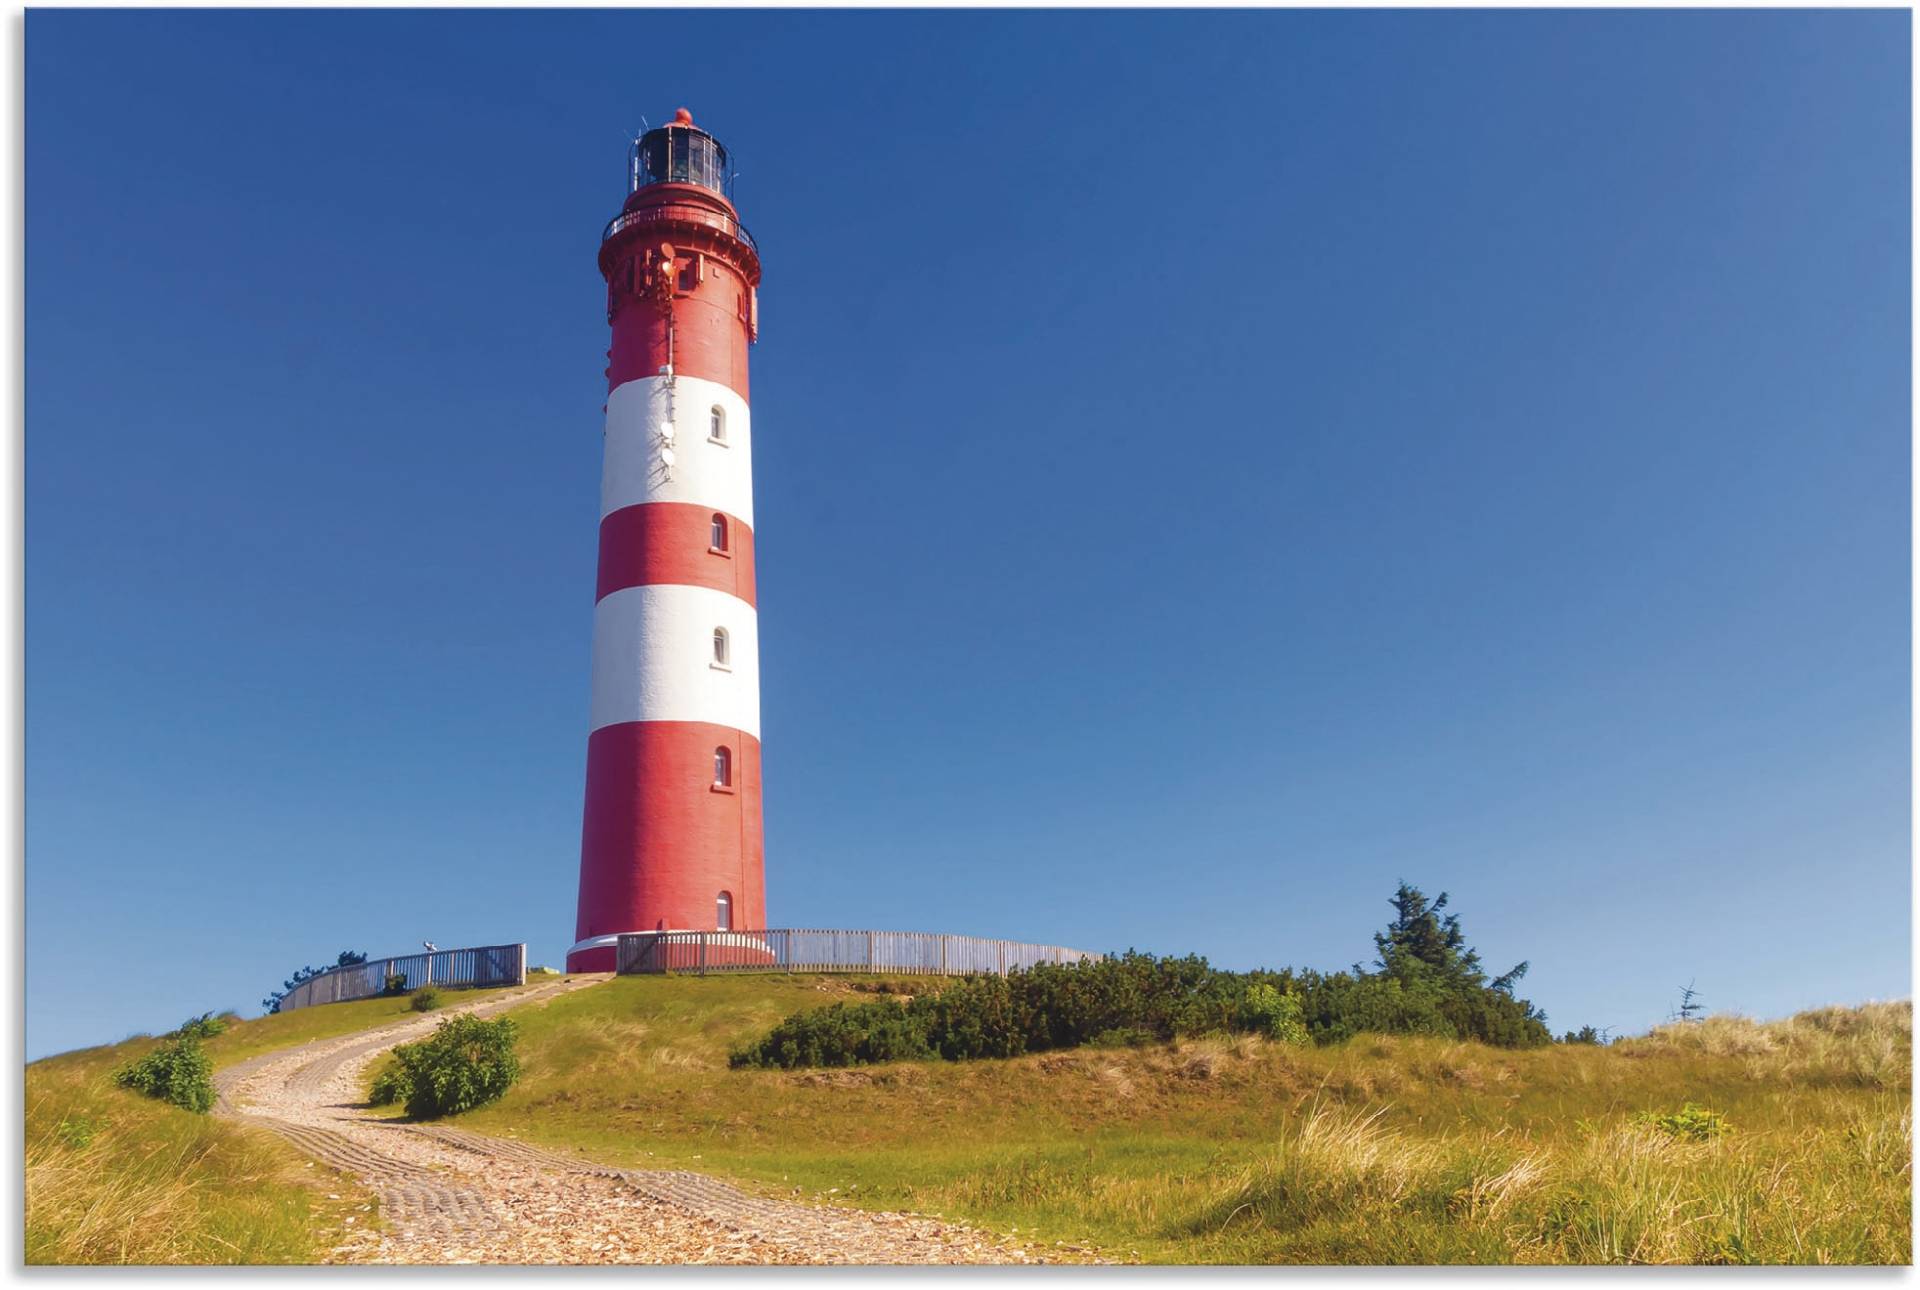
[
  {"x": 480, "y": 966},
  {"x": 793, "y": 949}
]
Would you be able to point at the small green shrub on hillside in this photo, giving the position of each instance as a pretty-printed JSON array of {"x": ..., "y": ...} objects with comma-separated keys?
[
  {"x": 465, "y": 1063},
  {"x": 425, "y": 999},
  {"x": 394, "y": 984},
  {"x": 389, "y": 1086},
  {"x": 1692, "y": 1121},
  {"x": 1264, "y": 1010},
  {"x": 76, "y": 1133},
  {"x": 204, "y": 1026},
  {"x": 178, "y": 1072}
]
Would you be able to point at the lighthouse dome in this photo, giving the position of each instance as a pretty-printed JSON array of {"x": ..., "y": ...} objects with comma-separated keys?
[{"x": 680, "y": 152}]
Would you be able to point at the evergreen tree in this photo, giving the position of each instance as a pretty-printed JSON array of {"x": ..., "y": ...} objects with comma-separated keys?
[{"x": 1418, "y": 934}]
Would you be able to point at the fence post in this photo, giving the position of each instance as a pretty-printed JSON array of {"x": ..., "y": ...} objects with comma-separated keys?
[
  {"x": 703, "y": 954},
  {"x": 870, "y": 959},
  {"x": 943, "y": 955}
]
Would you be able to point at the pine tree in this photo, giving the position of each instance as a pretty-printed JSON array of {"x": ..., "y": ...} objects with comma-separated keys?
[{"x": 1418, "y": 934}]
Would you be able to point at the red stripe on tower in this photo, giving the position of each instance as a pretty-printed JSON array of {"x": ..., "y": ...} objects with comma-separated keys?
[{"x": 671, "y": 838}]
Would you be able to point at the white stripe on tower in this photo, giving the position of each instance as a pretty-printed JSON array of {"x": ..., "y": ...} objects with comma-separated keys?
[
  {"x": 714, "y": 475},
  {"x": 653, "y": 658}
]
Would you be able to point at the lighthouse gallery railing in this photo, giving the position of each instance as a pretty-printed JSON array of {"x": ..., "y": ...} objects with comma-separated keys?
[{"x": 796, "y": 949}]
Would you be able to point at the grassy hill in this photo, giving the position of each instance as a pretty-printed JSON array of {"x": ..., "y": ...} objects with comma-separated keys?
[
  {"x": 114, "y": 1177},
  {"x": 1375, "y": 1150}
]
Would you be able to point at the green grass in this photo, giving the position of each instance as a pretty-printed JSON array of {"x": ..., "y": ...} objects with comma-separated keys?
[
  {"x": 1378, "y": 1150},
  {"x": 326, "y": 1021},
  {"x": 116, "y": 1177}
]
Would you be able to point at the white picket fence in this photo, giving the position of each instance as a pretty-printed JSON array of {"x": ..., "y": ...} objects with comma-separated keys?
[
  {"x": 797, "y": 949},
  {"x": 483, "y": 965}
]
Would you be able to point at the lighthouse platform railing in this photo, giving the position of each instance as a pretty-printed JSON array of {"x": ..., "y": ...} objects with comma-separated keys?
[{"x": 798, "y": 949}]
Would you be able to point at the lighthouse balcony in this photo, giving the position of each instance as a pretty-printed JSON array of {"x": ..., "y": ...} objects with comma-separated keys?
[{"x": 700, "y": 215}]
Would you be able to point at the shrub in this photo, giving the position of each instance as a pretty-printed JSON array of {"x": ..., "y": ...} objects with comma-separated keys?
[
  {"x": 389, "y": 1086},
  {"x": 425, "y": 999},
  {"x": 204, "y": 1026},
  {"x": 1429, "y": 982},
  {"x": 177, "y": 1072},
  {"x": 77, "y": 1132},
  {"x": 465, "y": 1063},
  {"x": 1267, "y": 1011},
  {"x": 394, "y": 984},
  {"x": 840, "y": 1035},
  {"x": 1692, "y": 1121}
]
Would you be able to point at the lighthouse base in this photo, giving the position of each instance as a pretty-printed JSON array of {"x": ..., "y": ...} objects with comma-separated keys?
[{"x": 595, "y": 954}]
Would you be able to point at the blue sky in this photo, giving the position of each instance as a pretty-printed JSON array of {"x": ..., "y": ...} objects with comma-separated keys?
[{"x": 1209, "y": 467}]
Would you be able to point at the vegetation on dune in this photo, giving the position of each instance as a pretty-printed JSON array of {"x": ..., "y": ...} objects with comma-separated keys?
[
  {"x": 178, "y": 1071},
  {"x": 251, "y": 1037},
  {"x": 1428, "y": 981},
  {"x": 1158, "y": 1110},
  {"x": 1235, "y": 1148},
  {"x": 466, "y": 1062},
  {"x": 114, "y": 1177},
  {"x": 204, "y": 1026}
]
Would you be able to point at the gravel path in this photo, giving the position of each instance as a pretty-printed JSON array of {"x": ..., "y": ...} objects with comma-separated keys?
[{"x": 451, "y": 1196}]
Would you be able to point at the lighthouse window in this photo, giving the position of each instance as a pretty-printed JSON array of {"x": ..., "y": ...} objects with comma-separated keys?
[
  {"x": 722, "y": 767},
  {"x": 723, "y": 911},
  {"x": 719, "y": 532},
  {"x": 717, "y": 425},
  {"x": 720, "y": 651}
]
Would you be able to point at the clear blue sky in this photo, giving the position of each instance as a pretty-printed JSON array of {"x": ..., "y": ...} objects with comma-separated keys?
[{"x": 1209, "y": 467}]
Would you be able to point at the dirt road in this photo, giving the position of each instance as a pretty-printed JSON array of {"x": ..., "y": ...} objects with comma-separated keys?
[{"x": 450, "y": 1196}]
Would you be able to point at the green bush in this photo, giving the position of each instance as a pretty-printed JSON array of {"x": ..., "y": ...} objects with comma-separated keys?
[
  {"x": 178, "y": 1072},
  {"x": 1267, "y": 1011},
  {"x": 465, "y": 1063},
  {"x": 77, "y": 1132},
  {"x": 425, "y": 999},
  {"x": 395, "y": 983},
  {"x": 1693, "y": 1122},
  {"x": 389, "y": 1086},
  {"x": 1428, "y": 982},
  {"x": 204, "y": 1026}
]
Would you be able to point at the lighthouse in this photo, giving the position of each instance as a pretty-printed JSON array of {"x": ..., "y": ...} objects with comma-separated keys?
[{"x": 671, "y": 839}]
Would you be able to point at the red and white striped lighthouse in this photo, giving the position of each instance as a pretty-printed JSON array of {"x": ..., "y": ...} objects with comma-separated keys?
[{"x": 672, "y": 838}]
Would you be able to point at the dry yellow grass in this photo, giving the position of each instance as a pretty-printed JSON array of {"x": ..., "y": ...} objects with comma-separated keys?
[
  {"x": 114, "y": 1177},
  {"x": 1380, "y": 1150}
]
